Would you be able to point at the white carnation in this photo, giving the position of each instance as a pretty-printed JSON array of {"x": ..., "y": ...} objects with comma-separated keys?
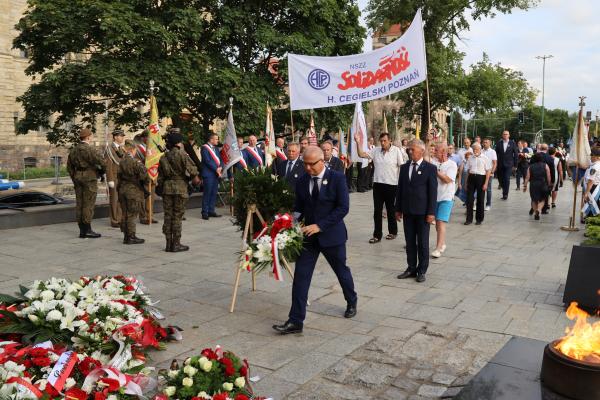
[{"x": 54, "y": 315}]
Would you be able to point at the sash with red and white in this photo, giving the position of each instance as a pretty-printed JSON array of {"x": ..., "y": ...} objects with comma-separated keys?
[
  {"x": 280, "y": 154},
  {"x": 213, "y": 155},
  {"x": 255, "y": 155}
]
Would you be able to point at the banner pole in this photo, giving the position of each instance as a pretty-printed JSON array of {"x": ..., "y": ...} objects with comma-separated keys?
[
  {"x": 292, "y": 121},
  {"x": 428, "y": 107}
]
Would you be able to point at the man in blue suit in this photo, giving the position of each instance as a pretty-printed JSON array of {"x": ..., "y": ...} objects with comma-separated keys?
[
  {"x": 416, "y": 203},
  {"x": 508, "y": 157},
  {"x": 292, "y": 168},
  {"x": 253, "y": 156},
  {"x": 212, "y": 167},
  {"x": 322, "y": 201}
]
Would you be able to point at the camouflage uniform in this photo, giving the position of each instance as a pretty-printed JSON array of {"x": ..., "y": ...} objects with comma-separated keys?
[
  {"x": 174, "y": 171},
  {"x": 132, "y": 176},
  {"x": 85, "y": 164}
]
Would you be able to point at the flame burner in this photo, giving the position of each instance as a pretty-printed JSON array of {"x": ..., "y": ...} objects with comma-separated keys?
[{"x": 575, "y": 379}]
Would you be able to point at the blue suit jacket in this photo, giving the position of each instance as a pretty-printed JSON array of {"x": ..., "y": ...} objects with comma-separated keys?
[
  {"x": 295, "y": 173},
  {"x": 329, "y": 211},
  {"x": 209, "y": 166},
  {"x": 417, "y": 196},
  {"x": 250, "y": 160},
  {"x": 508, "y": 158}
]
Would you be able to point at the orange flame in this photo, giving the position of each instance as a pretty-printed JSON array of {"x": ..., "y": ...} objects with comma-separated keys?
[{"x": 582, "y": 341}]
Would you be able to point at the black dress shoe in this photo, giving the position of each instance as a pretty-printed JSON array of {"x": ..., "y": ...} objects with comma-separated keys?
[
  {"x": 350, "y": 311},
  {"x": 504, "y": 198},
  {"x": 204, "y": 216},
  {"x": 420, "y": 278},
  {"x": 531, "y": 211},
  {"x": 478, "y": 223},
  {"x": 214, "y": 215},
  {"x": 288, "y": 327},
  {"x": 407, "y": 274},
  {"x": 468, "y": 223}
]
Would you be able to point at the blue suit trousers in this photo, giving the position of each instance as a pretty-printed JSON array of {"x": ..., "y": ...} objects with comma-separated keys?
[
  {"x": 209, "y": 198},
  {"x": 305, "y": 266}
]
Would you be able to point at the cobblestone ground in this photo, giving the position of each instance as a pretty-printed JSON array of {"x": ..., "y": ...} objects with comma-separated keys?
[{"x": 408, "y": 341}]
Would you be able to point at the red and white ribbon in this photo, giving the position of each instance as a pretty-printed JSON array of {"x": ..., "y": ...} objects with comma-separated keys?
[
  {"x": 280, "y": 154},
  {"x": 212, "y": 155},
  {"x": 24, "y": 386},
  {"x": 255, "y": 155},
  {"x": 62, "y": 370}
]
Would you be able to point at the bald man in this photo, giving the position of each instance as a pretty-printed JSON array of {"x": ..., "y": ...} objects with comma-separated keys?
[{"x": 322, "y": 202}]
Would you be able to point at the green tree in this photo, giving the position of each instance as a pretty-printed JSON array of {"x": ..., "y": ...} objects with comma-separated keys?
[
  {"x": 89, "y": 53},
  {"x": 445, "y": 20}
]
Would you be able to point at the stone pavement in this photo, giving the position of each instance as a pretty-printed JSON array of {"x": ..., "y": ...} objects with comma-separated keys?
[{"x": 408, "y": 341}]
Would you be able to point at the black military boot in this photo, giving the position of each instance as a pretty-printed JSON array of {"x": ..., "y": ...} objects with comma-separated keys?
[
  {"x": 177, "y": 246},
  {"x": 82, "y": 230},
  {"x": 89, "y": 233},
  {"x": 125, "y": 237},
  {"x": 169, "y": 246},
  {"x": 134, "y": 239}
]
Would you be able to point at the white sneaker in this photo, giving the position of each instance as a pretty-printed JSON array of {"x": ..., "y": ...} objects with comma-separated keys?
[
  {"x": 436, "y": 253},
  {"x": 475, "y": 208},
  {"x": 488, "y": 208}
]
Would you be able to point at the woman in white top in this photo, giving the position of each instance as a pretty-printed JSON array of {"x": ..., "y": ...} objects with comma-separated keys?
[{"x": 446, "y": 174}]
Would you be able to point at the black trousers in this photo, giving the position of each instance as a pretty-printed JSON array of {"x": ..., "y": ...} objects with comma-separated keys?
[
  {"x": 416, "y": 235},
  {"x": 384, "y": 194},
  {"x": 350, "y": 177},
  {"x": 521, "y": 173},
  {"x": 362, "y": 180},
  {"x": 475, "y": 185},
  {"x": 504, "y": 174}
]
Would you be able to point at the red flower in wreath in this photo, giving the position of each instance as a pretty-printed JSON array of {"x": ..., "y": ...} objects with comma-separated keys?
[
  {"x": 210, "y": 354},
  {"x": 38, "y": 352},
  {"x": 88, "y": 365},
  {"x": 112, "y": 385},
  {"x": 41, "y": 361},
  {"x": 241, "y": 397},
  {"x": 75, "y": 394},
  {"x": 220, "y": 396}
]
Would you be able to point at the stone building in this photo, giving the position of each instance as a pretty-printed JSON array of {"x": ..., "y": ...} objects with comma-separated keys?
[
  {"x": 17, "y": 151},
  {"x": 389, "y": 107}
]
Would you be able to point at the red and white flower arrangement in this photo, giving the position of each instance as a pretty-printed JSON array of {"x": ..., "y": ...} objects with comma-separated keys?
[{"x": 283, "y": 239}]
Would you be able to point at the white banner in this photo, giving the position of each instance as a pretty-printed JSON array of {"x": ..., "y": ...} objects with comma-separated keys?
[
  {"x": 230, "y": 153},
  {"x": 335, "y": 81}
]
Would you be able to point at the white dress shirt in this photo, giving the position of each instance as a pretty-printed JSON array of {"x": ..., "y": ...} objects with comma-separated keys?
[
  {"x": 319, "y": 182},
  {"x": 505, "y": 144},
  {"x": 413, "y": 167},
  {"x": 478, "y": 165},
  {"x": 386, "y": 164}
]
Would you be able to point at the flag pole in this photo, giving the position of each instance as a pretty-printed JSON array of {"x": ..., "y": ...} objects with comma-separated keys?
[
  {"x": 571, "y": 227},
  {"x": 149, "y": 204},
  {"x": 231, "y": 181},
  {"x": 428, "y": 107},
  {"x": 292, "y": 122}
]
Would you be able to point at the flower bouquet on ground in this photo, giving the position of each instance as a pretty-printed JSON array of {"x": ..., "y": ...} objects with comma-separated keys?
[
  {"x": 45, "y": 371},
  {"x": 282, "y": 240},
  {"x": 109, "y": 316},
  {"x": 212, "y": 375}
]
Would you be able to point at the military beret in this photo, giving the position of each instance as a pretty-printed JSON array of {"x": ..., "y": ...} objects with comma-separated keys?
[
  {"x": 596, "y": 151},
  {"x": 118, "y": 132},
  {"x": 85, "y": 132},
  {"x": 174, "y": 138}
]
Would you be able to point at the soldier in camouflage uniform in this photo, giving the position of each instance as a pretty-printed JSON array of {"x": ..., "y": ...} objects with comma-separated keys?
[
  {"x": 132, "y": 177},
  {"x": 85, "y": 166},
  {"x": 174, "y": 171}
]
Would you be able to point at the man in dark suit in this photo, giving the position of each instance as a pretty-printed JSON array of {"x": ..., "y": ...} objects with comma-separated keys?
[
  {"x": 508, "y": 157},
  {"x": 322, "y": 201},
  {"x": 293, "y": 168},
  {"x": 331, "y": 162},
  {"x": 416, "y": 202},
  {"x": 212, "y": 167},
  {"x": 253, "y": 155}
]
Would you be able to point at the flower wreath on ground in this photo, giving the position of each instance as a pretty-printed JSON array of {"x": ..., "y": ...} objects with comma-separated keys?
[
  {"x": 212, "y": 375},
  {"x": 283, "y": 239}
]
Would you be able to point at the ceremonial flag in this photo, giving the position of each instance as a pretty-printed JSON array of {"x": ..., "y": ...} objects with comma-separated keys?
[
  {"x": 316, "y": 81},
  {"x": 231, "y": 153},
  {"x": 312, "y": 134},
  {"x": 343, "y": 152},
  {"x": 155, "y": 141},
  {"x": 580, "y": 151},
  {"x": 270, "y": 151},
  {"x": 385, "y": 128},
  {"x": 359, "y": 126}
]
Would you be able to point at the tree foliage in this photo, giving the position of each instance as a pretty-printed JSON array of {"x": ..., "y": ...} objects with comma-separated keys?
[
  {"x": 445, "y": 21},
  {"x": 89, "y": 53}
]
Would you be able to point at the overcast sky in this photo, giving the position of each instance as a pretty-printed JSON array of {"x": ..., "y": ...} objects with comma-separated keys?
[{"x": 568, "y": 30}]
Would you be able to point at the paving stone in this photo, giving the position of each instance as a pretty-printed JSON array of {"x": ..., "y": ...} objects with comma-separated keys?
[
  {"x": 421, "y": 374},
  {"x": 394, "y": 394},
  {"x": 443, "y": 379},
  {"x": 302, "y": 369},
  {"x": 342, "y": 371},
  {"x": 405, "y": 383},
  {"x": 373, "y": 375},
  {"x": 431, "y": 390}
]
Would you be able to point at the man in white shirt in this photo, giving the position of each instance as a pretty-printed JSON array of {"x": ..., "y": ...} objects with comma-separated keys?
[
  {"x": 478, "y": 167},
  {"x": 493, "y": 157},
  {"x": 446, "y": 176},
  {"x": 387, "y": 160}
]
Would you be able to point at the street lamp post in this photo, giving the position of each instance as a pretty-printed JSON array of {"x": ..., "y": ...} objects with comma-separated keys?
[{"x": 543, "y": 58}]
